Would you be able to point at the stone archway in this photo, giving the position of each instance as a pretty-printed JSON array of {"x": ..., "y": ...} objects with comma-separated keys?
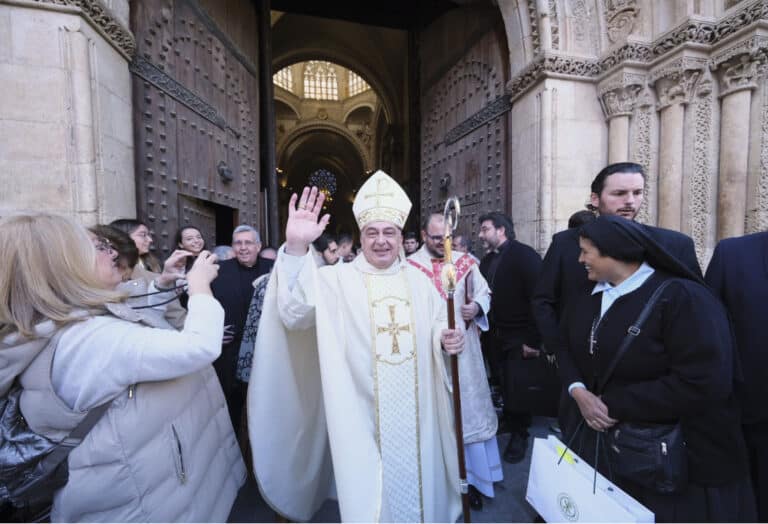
[{"x": 323, "y": 146}]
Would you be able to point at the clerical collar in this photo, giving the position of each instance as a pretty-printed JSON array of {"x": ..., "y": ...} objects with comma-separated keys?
[{"x": 502, "y": 247}]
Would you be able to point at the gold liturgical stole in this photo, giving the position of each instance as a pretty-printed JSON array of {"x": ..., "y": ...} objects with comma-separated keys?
[{"x": 396, "y": 394}]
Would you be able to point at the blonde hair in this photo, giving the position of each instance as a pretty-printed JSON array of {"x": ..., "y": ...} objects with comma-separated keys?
[{"x": 49, "y": 273}]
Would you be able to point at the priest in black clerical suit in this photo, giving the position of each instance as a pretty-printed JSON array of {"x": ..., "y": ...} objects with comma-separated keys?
[
  {"x": 233, "y": 288},
  {"x": 616, "y": 190},
  {"x": 738, "y": 274}
]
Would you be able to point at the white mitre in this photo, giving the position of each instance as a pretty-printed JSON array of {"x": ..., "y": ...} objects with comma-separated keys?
[{"x": 381, "y": 199}]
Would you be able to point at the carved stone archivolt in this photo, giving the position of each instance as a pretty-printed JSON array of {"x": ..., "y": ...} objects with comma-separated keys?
[
  {"x": 100, "y": 17},
  {"x": 620, "y": 16}
]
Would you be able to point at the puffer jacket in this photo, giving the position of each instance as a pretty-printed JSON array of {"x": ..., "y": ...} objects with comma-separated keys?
[{"x": 163, "y": 451}]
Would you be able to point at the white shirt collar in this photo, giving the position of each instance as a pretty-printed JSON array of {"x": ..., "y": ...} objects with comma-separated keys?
[{"x": 612, "y": 293}]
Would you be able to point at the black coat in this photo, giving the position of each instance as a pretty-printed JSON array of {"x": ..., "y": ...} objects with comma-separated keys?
[
  {"x": 738, "y": 274},
  {"x": 234, "y": 290},
  {"x": 680, "y": 367},
  {"x": 512, "y": 290},
  {"x": 563, "y": 278}
]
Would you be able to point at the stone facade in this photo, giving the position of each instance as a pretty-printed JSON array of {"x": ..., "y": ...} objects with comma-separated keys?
[
  {"x": 681, "y": 88},
  {"x": 66, "y": 137}
]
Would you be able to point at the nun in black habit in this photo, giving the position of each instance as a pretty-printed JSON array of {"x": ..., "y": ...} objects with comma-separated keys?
[{"x": 680, "y": 368}]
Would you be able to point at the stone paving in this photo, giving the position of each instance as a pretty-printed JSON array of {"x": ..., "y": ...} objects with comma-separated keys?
[{"x": 509, "y": 504}]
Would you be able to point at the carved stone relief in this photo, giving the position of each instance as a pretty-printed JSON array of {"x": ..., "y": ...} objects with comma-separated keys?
[
  {"x": 620, "y": 16},
  {"x": 582, "y": 27},
  {"x": 703, "y": 181},
  {"x": 643, "y": 150},
  {"x": 676, "y": 80},
  {"x": 757, "y": 215},
  {"x": 533, "y": 19},
  {"x": 618, "y": 93},
  {"x": 690, "y": 32},
  {"x": 739, "y": 74},
  {"x": 554, "y": 24}
]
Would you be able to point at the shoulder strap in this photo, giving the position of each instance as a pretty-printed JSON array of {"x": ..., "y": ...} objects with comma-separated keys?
[
  {"x": 60, "y": 453},
  {"x": 633, "y": 331}
]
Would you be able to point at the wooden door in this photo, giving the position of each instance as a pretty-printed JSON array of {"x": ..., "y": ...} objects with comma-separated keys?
[
  {"x": 196, "y": 116},
  {"x": 464, "y": 135}
]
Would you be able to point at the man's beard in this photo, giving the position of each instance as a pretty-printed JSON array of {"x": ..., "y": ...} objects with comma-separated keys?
[{"x": 434, "y": 253}]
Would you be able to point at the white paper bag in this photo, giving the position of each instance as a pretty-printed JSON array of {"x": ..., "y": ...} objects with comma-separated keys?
[{"x": 563, "y": 492}]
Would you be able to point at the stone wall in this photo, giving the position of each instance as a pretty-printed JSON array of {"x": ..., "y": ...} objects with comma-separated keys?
[
  {"x": 682, "y": 90},
  {"x": 66, "y": 139}
]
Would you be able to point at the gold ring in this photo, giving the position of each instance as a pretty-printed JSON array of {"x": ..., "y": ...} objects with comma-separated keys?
[{"x": 302, "y": 206}]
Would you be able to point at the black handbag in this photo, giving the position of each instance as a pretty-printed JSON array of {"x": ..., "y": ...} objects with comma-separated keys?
[
  {"x": 651, "y": 455},
  {"x": 33, "y": 467}
]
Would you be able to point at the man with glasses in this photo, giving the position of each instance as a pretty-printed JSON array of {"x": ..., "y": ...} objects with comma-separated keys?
[
  {"x": 511, "y": 269},
  {"x": 233, "y": 288}
]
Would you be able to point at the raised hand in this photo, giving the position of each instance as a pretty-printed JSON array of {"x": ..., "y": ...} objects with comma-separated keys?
[
  {"x": 303, "y": 226},
  {"x": 203, "y": 272},
  {"x": 173, "y": 268}
]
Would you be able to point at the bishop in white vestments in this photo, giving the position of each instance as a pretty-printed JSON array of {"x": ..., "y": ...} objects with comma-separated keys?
[
  {"x": 472, "y": 302},
  {"x": 349, "y": 387}
]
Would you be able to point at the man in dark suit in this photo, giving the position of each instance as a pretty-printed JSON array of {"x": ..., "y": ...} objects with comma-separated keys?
[
  {"x": 616, "y": 190},
  {"x": 233, "y": 288},
  {"x": 738, "y": 274},
  {"x": 511, "y": 269}
]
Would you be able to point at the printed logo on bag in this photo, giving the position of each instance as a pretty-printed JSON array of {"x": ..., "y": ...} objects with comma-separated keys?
[{"x": 568, "y": 507}]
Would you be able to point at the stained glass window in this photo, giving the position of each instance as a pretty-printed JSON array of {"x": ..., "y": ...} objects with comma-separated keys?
[
  {"x": 320, "y": 81},
  {"x": 284, "y": 78},
  {"x": 356, "y": 84}
]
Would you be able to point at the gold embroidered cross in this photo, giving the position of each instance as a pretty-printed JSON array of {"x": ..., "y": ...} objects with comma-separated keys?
[
  {"x": 380, "y": 192},
  {"x": 393, "y": 329}
]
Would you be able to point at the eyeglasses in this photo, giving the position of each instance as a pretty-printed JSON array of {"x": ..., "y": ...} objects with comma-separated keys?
[
  {"x": 103, "y": 245},
  {"x": 436, "y": 238}
]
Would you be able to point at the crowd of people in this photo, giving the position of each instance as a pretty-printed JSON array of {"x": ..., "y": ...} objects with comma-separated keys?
[{"x": 338, "y": 352}]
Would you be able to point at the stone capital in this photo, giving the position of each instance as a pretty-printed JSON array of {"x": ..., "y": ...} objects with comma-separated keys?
[
  {"x": 739, "y": 65},
  {"x": 620, "y": 101},
  {"x": 675, "y": 81},
  {"x": 738, "y": 74}
]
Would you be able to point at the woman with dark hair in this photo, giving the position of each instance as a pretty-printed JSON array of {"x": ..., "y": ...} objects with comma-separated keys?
[
  {"x": 189, "y": 238},
  {"x": 676, "y": 373},
  {"x": 147, "y": 268},
  {"x": 139, "y": 233}
]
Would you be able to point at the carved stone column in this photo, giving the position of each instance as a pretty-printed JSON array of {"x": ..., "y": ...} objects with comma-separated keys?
[
  {"x": 674, "y": 87},
  {"x": 737, "y": 80},
  {"x": 617, "y": 105}
]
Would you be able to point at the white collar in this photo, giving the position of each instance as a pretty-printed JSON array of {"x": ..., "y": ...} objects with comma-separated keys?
[{"x": 631, "y": 283}]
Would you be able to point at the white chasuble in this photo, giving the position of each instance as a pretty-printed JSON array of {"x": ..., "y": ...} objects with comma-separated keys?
[{"x": 349, "y": 384}]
